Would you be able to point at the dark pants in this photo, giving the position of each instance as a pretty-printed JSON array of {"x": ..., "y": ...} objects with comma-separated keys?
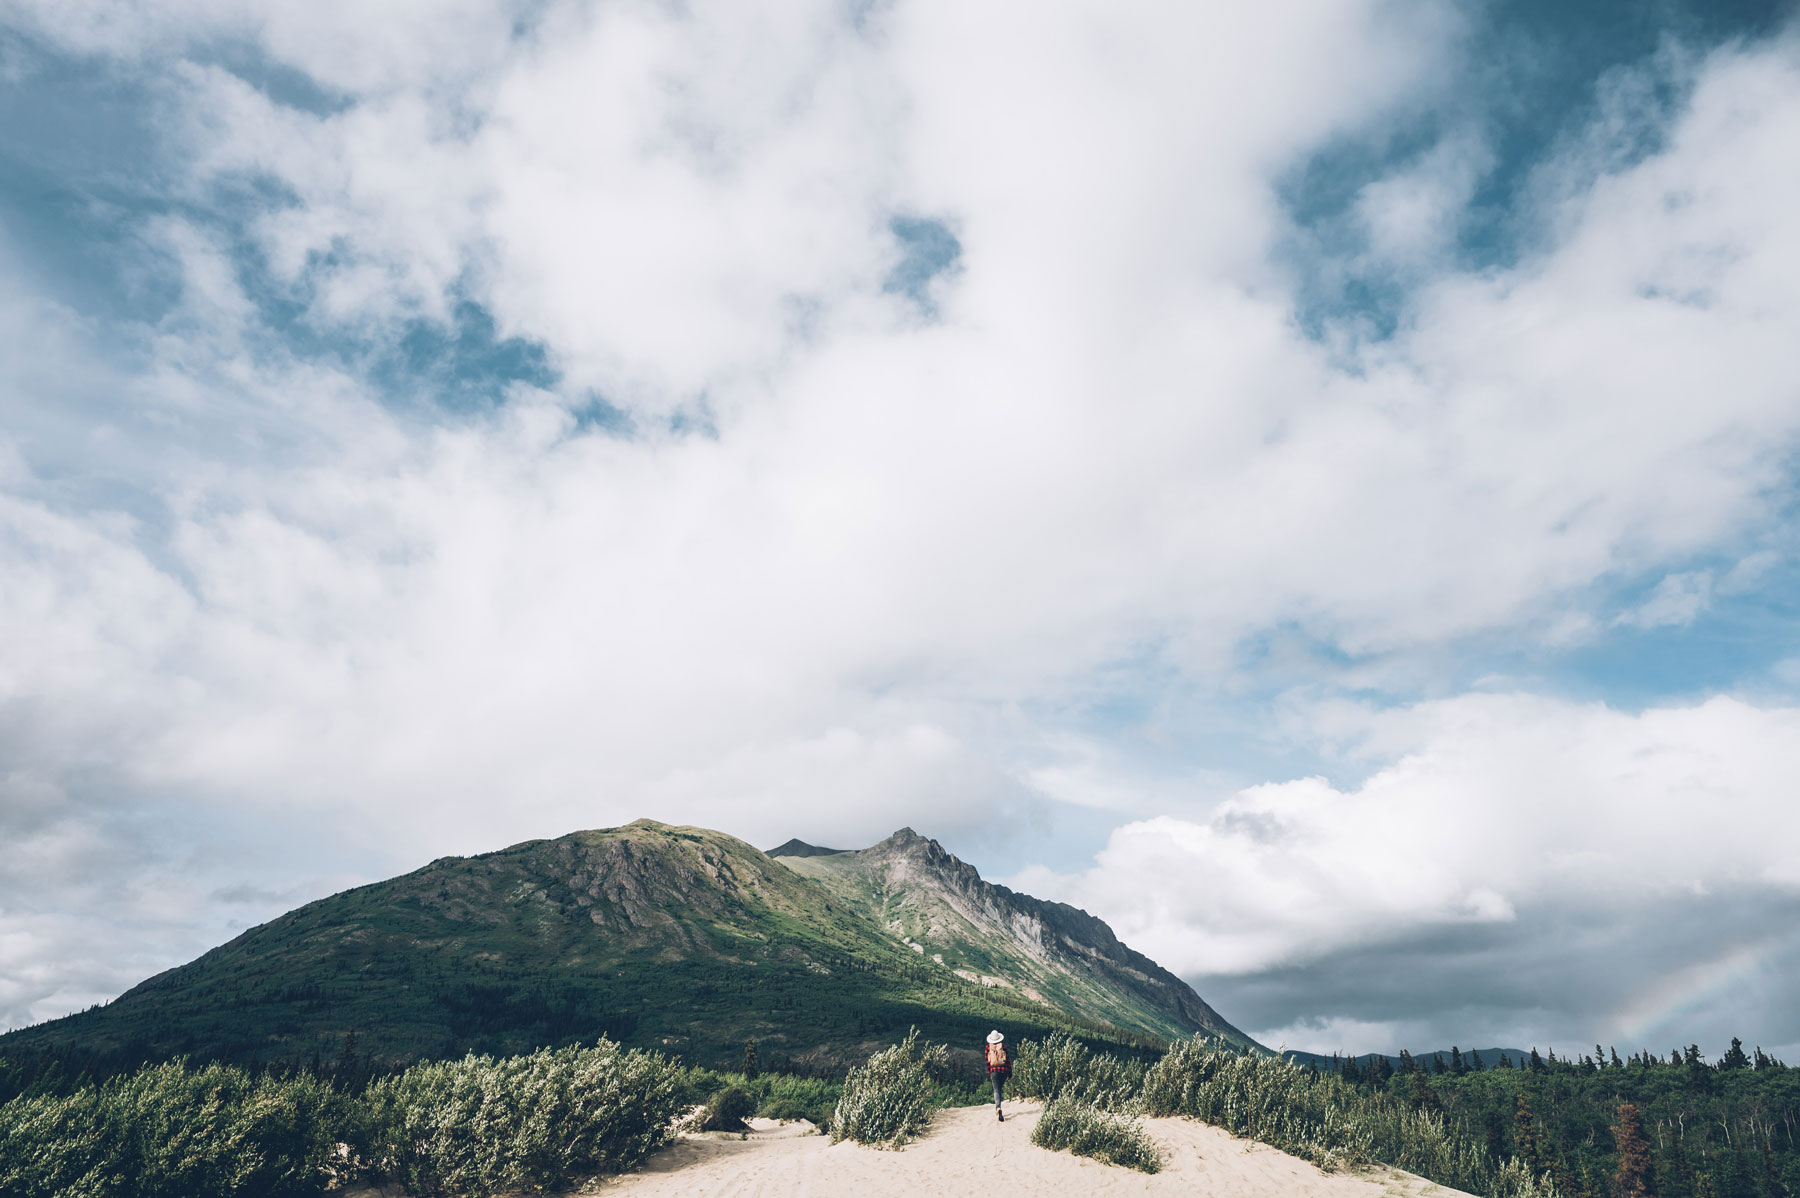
[{"x": 999, "y": 1081}]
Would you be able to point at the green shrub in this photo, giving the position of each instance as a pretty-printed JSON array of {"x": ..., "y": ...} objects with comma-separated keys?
[
  {"x": 1326, "y": 1120},
  {"x": 481, "y": 1125},
  {"x": 810, "y": 1098},
  {"x": 1260, "y": 1098},
  {"x": 727, "y": 1110},
  {"x": 1089, "y": 1131},
  {"x": 1063, "y": 1066},
  {"x": 887, "y": 1101},
  {"x": 168, "y": 1130},
  {"x": 775, "y": 1095}
]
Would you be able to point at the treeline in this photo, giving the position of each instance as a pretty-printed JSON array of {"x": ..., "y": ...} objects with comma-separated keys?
[
  {"x": 1595, "y": 1126},
  {"x": 1728, "y": 1128}
]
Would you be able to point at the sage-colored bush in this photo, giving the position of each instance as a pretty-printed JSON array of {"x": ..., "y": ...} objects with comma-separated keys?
[
  {"x": 887, "y": 1102},
  {"x": 1063, "y": 1067},
  {"x": 1326, "y": 1120},
  {"x": 1260, "y": 1098},
  {"x": 1077, "y": 1127},
  {"x": 168, "y": 1131},
  {"x": 480, "y": 1125}
]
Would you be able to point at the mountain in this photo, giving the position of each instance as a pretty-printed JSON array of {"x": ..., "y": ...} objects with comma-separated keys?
[
  {"x": 1050, "y": 953},
  {"x": 669, "y": 937},
  {"x": 1475, "y": 1058},
  {"x": 799, "y": 848}
]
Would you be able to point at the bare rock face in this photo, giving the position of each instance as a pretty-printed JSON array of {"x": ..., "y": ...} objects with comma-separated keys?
[{"x": 939, "y": 905}]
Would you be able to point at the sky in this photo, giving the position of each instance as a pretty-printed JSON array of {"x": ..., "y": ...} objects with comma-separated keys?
[{"x": 1314, "y": 484}]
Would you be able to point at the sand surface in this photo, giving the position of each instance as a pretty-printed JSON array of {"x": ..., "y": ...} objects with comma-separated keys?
[{"x": 968, "y": 1152}]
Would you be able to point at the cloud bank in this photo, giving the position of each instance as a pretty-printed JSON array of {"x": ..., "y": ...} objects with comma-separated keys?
[
  {"x": 1519, "y": 854},
  {"x": 724, "y": 526}
]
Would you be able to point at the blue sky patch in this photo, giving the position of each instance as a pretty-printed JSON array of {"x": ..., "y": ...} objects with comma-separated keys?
[
  {"x": 1537, "y": 77},
  {"x": 928, "y": 250}
]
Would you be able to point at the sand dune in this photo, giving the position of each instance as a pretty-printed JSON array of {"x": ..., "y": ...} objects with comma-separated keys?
[{"x": 967, "y": 1151}]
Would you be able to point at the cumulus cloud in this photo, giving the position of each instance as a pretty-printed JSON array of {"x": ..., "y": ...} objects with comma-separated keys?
[
  {"x": 1607, "y": 853},
  {"x": 839, "y": 555}
]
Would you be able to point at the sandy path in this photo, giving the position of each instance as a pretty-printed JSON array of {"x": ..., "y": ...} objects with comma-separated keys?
[{"x": 967, "y": 1151}]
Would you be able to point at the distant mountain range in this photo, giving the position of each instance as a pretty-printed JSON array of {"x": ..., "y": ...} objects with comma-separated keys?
[
  {"x": 676, "y": 938},
  {"x": 1482, "y": 1058}
]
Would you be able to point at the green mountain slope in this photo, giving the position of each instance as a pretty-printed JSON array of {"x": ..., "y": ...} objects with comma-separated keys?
[
  {"x": 1051, "y": 953},
  {"x": 675, "y": 938}
]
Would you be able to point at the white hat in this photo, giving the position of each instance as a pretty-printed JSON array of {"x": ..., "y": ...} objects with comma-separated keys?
[{"x": 995, "y": 1037}]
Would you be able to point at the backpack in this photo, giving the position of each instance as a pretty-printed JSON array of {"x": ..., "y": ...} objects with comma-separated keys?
[{"x": 996, "y": 1059}]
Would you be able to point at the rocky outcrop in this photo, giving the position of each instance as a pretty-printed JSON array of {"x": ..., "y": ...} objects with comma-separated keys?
[{"x": 941, "y": 906}]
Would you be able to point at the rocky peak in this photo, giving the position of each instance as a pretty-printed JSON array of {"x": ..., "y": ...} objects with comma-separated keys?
[
  {"x": 799, "y": 848},
  {"x": 940, "y": 907}
]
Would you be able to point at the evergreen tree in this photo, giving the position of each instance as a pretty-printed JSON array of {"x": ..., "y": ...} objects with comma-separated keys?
[
  {"x": 1505, "y": 1061},
  {"x": 1616, "y": 1062},
  {"x": 751, "y": 1068},
  {"x": 1407, "y": 1064},
  {"x": 1537, "y": 1063},
  {"x": 1678, "y": 1174},
  {"x": 1421, "y": 1091},
  {"x": 1457, "y": 1068},
  {"x": 1560, "y": 1175},
  {"x": 1633, "y": 1178},
  {"x": 1525, "y": 1136},
  {"x": 1734, "y": 1057},
  {"x": 1493, "y": 1129},
  {"x": 1592, "y": 1180}
]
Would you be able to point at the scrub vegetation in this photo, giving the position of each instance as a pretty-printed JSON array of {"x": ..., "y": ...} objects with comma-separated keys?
[
  {"x": 475, "y": 1126},
  {"x": 1067, "y": 1124},
  {"x": 545, "y": 1120},
  {"x": 169, "y": 1131},
  {"x": 1587, "y": 1127},
  {"x": 887, "y": 1102}
]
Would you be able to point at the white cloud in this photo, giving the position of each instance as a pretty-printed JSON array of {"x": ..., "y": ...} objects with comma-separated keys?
[
  {"x": 1411, "y": 217},
  {"x": 900, "y": 535},
  {"x": 1595, "y": 830}
]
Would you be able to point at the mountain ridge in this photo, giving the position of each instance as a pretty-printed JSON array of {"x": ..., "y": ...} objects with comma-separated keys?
[
  {"x": 940, "y": 906},
  {"x": 677, "y": 938}
]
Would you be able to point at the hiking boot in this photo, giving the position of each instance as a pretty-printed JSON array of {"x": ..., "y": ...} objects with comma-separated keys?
[{"x": 999, "y": 1114}]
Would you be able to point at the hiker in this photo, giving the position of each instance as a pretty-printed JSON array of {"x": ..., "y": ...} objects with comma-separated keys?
[{"x": 999, "y": 1069}]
